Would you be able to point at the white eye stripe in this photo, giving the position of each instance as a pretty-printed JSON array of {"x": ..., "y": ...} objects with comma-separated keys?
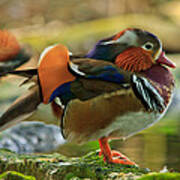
[
  {"x": 148, "y": 46},
  {"x": 145, "y": 46},
  {"x": 129, "y": 37},
  {"x": 159, "y": 52}
]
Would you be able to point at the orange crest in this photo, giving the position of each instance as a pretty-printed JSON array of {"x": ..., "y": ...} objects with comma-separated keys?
[
  {"x": 118, "y": 35},
  {"x": 9, "y": 46},
  {"x": 53, "y": 70},
  {"x": 134, "y": 59}
]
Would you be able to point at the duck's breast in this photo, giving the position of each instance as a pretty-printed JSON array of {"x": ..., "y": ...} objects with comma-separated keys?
[{"x": 118, "y": 115}]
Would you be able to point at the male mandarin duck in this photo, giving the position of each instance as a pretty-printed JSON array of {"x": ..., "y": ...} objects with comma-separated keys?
[
  {"x": 119, "y": 88},
  {"x": 12, "y": 55}
]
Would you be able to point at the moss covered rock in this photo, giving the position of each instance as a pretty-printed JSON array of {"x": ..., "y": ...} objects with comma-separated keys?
[{"x": 56, "y": 167}]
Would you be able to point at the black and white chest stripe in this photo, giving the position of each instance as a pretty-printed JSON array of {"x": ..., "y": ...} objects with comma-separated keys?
[{"x": 148, "y": 95}]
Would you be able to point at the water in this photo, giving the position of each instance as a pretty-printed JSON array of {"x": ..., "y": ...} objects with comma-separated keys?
[{"x": 153, "y": 150}]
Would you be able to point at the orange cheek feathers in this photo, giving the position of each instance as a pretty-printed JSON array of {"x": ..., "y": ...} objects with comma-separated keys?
[
  {"x": 53, "y": 70},
  {"x": 9, "y": 46},
  {"x": 134, "y": 59}
]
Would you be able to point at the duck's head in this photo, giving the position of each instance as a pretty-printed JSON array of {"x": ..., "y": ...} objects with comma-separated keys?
[{"x": 131, "y": 49}]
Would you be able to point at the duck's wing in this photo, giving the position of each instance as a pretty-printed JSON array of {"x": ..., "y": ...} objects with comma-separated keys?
[
  {"x": 101, "y": 77},
  {"x": 96, "y": 77}
]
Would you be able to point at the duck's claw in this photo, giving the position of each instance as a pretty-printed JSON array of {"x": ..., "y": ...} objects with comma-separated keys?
[{"x": 118, "y": 158}]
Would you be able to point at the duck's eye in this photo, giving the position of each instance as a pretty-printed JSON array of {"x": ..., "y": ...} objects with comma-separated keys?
[{"x": 148, "y": 46}]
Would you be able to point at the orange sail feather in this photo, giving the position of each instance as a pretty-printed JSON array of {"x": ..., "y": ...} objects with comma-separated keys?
[
  {"x": 53, "y": 70},
  {"x": 9, "y": 46}
]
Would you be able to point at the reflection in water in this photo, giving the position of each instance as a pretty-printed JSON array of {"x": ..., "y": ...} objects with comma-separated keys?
[
  {"x": 173, "y": 151},
  {"x": 147, "y": 150}
]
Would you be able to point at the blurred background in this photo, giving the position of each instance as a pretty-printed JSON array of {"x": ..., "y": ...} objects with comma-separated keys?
[{"x": 79, "y": 24}]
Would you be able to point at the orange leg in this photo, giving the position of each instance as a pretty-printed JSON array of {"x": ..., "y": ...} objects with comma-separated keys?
[{"x": 112, "y": 156}]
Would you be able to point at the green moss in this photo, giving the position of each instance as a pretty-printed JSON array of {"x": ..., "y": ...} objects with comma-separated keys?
[
  {"x": 161, "y": 176},
  {"x": 13, "y": 175},
  {"x": 56, "y": 166}
]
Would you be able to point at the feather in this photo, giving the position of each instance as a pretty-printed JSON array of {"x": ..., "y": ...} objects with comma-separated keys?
[
  {"x": 29, "y": 73},
  {"x": 22, "y": 108},
  {"x": 54, "y": 65},
  {"x": 102, "y": 70},
  {"x": 134, "y": 59},
  {"x": 56, "y": 109},
  {"x": 9, "y": 46}
]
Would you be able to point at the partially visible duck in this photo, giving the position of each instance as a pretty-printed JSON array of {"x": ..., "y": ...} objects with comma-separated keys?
[{"x": 12, "y": 54}]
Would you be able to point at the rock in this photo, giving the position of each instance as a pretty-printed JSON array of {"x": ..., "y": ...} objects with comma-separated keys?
[
  {"x": 90, "y": 166},
  {"x": 31, "y": 137},
  {"x": 56, "y": 166}
]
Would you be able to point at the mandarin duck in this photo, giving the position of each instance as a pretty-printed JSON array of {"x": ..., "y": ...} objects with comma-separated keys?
[
  {"x": 12, "y": 55},
  {"x": 119, "y": 88}
]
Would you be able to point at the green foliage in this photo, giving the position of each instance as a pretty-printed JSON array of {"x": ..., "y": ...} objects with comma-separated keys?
[
  {"x": 161, "y": 176},
  {"x": 13, "y": 175},
  {"x": 56, "y": 166}
]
